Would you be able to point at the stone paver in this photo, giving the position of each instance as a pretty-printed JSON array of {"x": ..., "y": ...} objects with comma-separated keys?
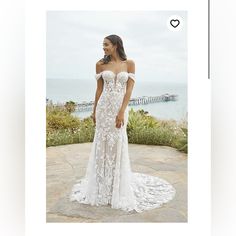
[{"x": 67, "y": 163}]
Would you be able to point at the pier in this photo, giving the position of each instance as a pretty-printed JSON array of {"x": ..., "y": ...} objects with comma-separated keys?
[{"x": 88, "y": 106}]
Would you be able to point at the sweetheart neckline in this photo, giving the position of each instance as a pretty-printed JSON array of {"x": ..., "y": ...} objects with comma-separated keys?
[{"x": 117, "y": 73}]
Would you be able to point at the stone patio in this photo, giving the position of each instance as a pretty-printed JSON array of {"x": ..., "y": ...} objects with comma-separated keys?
[{"x": 67, "y": 163}]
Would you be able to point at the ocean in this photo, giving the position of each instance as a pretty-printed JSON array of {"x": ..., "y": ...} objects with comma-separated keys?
[{"x": 63, "y": 90}]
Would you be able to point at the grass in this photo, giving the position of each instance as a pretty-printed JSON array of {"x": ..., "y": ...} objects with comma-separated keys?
[{"x": 64, "y": 128}]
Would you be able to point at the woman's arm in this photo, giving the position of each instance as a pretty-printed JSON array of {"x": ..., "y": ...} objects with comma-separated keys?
[{"x": 99, "y": 86}]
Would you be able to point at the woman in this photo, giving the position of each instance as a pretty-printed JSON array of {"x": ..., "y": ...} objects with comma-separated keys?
[{"x": 109, "y": 179}]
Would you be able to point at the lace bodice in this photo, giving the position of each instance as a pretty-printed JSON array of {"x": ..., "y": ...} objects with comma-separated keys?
[{"x": 115, "y": 82}]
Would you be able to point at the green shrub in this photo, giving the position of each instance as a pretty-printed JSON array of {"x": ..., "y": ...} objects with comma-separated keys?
[
  {"x": 70, "y": 106},
  {"x": 145, "y": 129},
  {"x": 60, "y": 118},
  {"x": 63, "y": 128}
]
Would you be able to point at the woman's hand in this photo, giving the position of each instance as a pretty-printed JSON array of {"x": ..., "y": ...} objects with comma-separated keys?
[
  {"x": 94, "y": 117},
  {"x": 120, "y": 119}
]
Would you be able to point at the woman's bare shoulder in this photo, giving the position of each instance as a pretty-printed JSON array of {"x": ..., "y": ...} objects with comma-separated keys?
[
  {"x": 99, "y": 66},
  {"x": 100, "y": 62},
  {"x": 130, "y": 60},
  {"x": 131, "y": 65}
]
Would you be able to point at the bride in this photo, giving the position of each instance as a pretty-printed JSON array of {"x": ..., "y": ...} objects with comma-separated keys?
[{"x": 109, "y": 179}]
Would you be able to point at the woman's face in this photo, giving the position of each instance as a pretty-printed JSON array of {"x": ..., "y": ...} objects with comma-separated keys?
[{"x": 108, "y": 47}]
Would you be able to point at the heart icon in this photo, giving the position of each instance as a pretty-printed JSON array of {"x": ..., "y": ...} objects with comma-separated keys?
[{"x": 175, "y": 22}]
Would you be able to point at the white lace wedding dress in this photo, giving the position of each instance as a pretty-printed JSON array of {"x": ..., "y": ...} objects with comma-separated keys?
[{"x": 109, "y": 179}]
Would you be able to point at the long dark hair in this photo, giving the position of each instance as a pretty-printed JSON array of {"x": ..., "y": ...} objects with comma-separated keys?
[{"x": 115, "y": 40}]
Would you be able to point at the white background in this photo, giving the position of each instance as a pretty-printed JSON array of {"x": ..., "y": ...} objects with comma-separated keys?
[
  {"x": 223, "y": 123},
  {"x": 199, "y": 124}
]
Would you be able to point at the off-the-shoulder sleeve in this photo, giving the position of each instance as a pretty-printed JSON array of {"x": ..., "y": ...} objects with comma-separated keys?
[
  {"x": 132, "y": 76},
  {"x": 97, "y": 76}
]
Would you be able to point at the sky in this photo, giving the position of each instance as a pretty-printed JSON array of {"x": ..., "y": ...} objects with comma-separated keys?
[{"x": 74, "y": 43}]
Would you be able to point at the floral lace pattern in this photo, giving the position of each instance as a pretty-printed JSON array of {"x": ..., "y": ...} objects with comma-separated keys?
[{"x": 108, "y": 178}]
